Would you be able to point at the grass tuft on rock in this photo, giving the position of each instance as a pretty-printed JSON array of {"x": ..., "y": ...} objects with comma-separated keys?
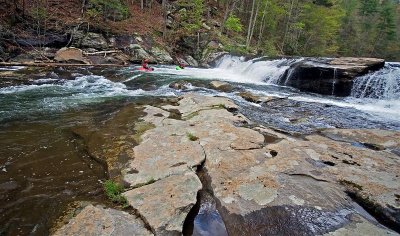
[
  {"x": 192, "y": 137},
  {"x": 114, "y": 193}
]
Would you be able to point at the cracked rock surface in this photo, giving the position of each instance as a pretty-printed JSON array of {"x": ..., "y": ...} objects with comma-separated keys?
[
  {"x": 95, "y": 220},
  {"x": 283, "y": 185}
]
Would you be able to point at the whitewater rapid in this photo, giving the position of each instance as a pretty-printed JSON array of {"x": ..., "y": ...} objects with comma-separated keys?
[{"x": 377, "y": 94}]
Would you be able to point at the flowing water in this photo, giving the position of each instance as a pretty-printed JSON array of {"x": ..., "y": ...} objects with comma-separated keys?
[{"x": 44, "y": 166}]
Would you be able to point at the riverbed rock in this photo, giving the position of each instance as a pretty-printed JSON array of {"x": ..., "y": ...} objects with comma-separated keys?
[
  {"x": 138, "y": 54},
  {"x": 179, "y": 85},
  {"x": 250, "y": 97},
  {"x": 221, "y": 86},
  {"x": 373, "y": 138},
  {"x": 191, "y": 61},
  {"x": 82, "y": 39},
  {"x": 165, "y": 204},
  {"x": 70, "y": 55},
  {"x": 329, "y": 76},
  {"x": 258, "y": 184},
  {"x": 161, "y": 56},
  {"x": 210, "y": 58},
  {"x": 95, "y": 220}
]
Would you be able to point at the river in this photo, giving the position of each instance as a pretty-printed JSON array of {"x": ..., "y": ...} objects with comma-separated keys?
[{"x": 45, "y": 168}]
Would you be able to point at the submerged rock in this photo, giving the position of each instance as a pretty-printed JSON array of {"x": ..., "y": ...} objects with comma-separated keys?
[
  {"x": 95, "y": 220},
  {"x": 180, "y": 85},
  {"x": 221, "y": 86}
]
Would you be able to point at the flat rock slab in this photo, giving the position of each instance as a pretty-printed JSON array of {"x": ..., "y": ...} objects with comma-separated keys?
[
  {"x": 96, "y": 221},
  {"x": 166, "y": 203},
  {"x": 73, "y": 55}
]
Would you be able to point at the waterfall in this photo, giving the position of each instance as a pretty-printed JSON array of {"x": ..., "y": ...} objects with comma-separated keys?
[
  {"x": 256, "y": 70},
  {"x": 382, "y": 84}
]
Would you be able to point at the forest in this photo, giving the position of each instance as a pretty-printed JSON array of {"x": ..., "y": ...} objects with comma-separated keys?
[{"x": 359, "y": 28}]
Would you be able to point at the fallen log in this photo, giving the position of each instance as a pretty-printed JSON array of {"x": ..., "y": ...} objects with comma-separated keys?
[
  {"x": 102, "y": 52},
  {"x": 58, "y": 64}
]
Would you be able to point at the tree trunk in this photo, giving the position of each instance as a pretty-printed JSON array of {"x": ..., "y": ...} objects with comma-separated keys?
[
  {"x": 254, "y": 21},
  {"x": 261, "y": 32},
  {"x": 250, "y": 24},
  {"x": 287, "y": 26}
]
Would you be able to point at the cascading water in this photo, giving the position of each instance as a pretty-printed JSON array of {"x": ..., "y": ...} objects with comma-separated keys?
[
  {"x": 382, "y": 84},
  {"x": 256, "y": 70}
]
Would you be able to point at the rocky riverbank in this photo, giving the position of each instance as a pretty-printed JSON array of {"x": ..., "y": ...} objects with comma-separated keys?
[{"x": 263, "y": 181}]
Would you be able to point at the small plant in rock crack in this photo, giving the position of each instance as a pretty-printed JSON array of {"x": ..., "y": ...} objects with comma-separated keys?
[
  {"x": 114, "y": 193},
  {"x": 192, "y": 137}
]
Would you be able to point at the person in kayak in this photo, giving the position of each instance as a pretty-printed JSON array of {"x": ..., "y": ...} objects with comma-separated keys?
[
  {"x": 145, "y": 65},
  {"x": 181, "y": 66}
]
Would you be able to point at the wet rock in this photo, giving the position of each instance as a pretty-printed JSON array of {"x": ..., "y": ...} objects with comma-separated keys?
[
  {"x": 70, "y": 55},
  {"x": 254, "y": 98},
  {"x": 221, "y": 86},
  {"x": 208, "y": 221},
  {"x": 329, "y": 76},
  {"x": 378, "y": 138},
  {"x": 111, "y": 142},
  {"x": 180, "y": 85},
  {"x": 165, "y": 204},
  {"x": 209, "y": 58},
  {"x": 360, "y": 229},
  {"x": 95, "y": 220},
  {"x": 10, "y": 185}
]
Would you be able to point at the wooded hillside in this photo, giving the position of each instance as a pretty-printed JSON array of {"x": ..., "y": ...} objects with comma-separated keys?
[{"x": 368, "y": 28}]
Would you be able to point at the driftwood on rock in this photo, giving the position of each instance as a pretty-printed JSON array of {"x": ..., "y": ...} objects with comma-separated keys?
[{"x": 99, "y": 53}]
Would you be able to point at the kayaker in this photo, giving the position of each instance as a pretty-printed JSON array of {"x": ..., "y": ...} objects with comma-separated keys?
[
  {"x": 145, "y": 64},
  {"x": 181, "y": 66}
]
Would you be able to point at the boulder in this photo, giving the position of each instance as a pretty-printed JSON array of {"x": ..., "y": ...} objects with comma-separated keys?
[
  {"x": 329, "y": 76},
  {"x": 179, "y": 85},
  {"x": 161, "y": 56},
  {"x": 210, "y": 58},
  {"x": 221, "y": 86},
  {"x": 89, "y": 40},
  {"x": 248, "y": 96},
  {"x": 137, "y": 54},
  {"x": 70, "y": 55},
  {"x": 191, "y": 61},
  {"x": 95, "y": 220}
]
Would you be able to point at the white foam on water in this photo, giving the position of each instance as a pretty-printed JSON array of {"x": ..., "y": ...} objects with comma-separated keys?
[
  {"x": 235, "y": 69},
  {"x": 12, "y": 68},
  {"x": 379, "y": 108}
]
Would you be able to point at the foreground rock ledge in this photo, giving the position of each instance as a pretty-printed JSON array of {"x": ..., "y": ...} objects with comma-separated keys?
[
  {"x": 286, "y": 186},
  {"x": 258, "y": 185},
  {"x": 95, "y": 220}
]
